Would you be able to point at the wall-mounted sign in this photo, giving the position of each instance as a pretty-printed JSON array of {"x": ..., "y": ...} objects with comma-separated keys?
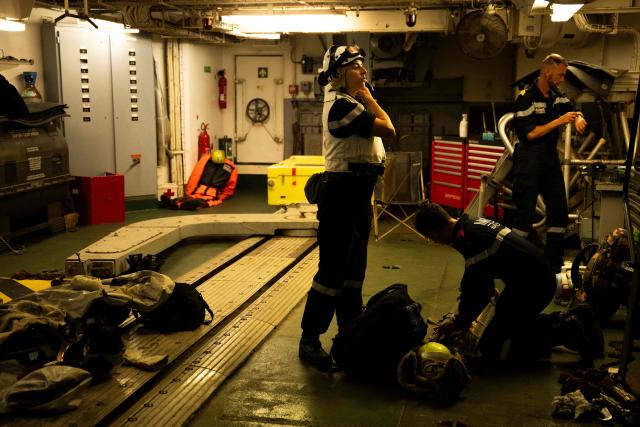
[{"x": 263, "y": 72}]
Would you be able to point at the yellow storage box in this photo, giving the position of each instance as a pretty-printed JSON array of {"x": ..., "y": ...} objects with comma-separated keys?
[{"x": 286, "y": 180}]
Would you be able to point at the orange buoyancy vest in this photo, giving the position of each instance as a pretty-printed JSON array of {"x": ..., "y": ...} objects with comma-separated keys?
[{"x": 212, "y": 182}]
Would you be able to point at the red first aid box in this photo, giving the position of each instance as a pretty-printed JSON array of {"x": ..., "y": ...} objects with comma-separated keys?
[{"x": 99, "y": 199}]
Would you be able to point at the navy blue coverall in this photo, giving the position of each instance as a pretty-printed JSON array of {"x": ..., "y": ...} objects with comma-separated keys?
[
  {"x": 352, "y": 162},
  {"x": 537, "y": 170},
  {"x": 493, "y": 251}
]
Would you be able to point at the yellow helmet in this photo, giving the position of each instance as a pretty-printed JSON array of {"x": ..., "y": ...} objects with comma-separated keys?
[
  {"x": 218, "y": 156},
  {"x": 433, "y": 348},
  {"x": 432, "y": 358}
]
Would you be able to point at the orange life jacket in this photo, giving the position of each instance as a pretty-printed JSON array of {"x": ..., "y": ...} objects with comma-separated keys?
[{"x": 211, "y": 182}]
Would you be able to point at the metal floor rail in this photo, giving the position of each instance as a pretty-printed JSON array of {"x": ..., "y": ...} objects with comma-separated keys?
[
  {"x": 174, "y": 400},
  {"x": 257, "y": 263}
]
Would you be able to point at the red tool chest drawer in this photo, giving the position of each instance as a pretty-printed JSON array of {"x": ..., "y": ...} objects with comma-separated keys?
[
  {"x": 447, "y": 172},
  {"x": 480, "y": 160}
]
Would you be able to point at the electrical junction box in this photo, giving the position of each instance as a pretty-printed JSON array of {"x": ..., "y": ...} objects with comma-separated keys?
[
  {"x": 286, "y": 179},
  {"x": 527, "y": 25}
]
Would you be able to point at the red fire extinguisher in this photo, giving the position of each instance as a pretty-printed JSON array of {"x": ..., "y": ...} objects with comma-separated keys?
[
  {"x": 222, "y": 89},
  {"x": 204, "y": 146}
]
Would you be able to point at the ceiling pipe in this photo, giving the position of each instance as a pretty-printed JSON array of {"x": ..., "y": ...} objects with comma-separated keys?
[{"x": 583, "y": 24}]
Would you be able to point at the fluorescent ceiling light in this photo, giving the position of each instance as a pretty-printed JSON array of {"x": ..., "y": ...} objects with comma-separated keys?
[
  {"x": 287, "y": 23},
  {"x": 563, "y": 12},
  {"x": 539, "y": 7},
  {"x": 11, "y": 25},
  {"x": 259, "y": 36}
]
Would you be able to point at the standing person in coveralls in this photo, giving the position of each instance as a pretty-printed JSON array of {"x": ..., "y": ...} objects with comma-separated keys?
[
  {"x": 353, "y": 123},
  {"x": 541, "y": 111},
  {"x": 492, "y": 251}
]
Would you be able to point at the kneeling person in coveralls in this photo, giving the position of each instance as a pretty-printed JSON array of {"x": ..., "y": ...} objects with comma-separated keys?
[
  {"x": 353, "y": 123},
  {"x": 492, "y": 251}
]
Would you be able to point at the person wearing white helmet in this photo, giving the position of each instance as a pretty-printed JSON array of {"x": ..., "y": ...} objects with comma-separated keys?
[{"x": 353, "y": 123}]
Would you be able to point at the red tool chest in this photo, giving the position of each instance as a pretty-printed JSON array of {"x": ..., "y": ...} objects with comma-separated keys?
[
  {"x": 457, "y": 168},
  {"x": 447, "y": 172},
  {"x": 480, "y": 160}
]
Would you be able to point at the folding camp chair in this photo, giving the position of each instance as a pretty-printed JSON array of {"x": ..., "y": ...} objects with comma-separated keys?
[{"x": 399, "y": 192}]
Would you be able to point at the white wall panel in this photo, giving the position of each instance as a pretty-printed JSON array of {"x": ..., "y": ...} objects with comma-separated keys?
[
  {"x": 85, "y": 73},
  {"x": 200, "y": 64},
  {"x": 134, "y": 112}
]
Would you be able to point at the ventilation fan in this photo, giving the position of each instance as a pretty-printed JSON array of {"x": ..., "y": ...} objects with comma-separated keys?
[
  {"x": 481, "y": 34},
  {"x": 386, "y": 46}
]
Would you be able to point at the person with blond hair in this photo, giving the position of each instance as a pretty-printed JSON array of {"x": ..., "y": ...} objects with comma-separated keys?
[{"x": 353, "y": 124}]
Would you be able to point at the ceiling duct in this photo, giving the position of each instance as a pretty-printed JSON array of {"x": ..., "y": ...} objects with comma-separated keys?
[{"x": 16, "y": 9}]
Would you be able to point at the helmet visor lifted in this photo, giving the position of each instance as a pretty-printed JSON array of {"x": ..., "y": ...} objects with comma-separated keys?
[{"x": 337, "y": 57}]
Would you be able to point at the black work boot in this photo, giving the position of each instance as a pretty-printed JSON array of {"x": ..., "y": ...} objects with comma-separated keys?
[
  {"x": 587, "y": 318},
  {"x": 570, "y": 333},
  {"x": 311, "y": 351}
]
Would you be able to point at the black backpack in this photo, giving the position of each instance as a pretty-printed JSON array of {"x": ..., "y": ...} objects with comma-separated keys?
[
  {"x": 372, "y": 346},
  {"x": 183, "y": 311}
]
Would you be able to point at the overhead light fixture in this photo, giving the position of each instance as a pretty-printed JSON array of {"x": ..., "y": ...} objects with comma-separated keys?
[
  {"x": 410, "y": 16},
  {"x": 540, "y": 7},
  {"x": 560, "y": 10},
  {"x": 257, "y": 36},
  {"x": 8, "y": 24},
  {"x": 286, "y": 23},
  {"x": 564, "y": 12}
]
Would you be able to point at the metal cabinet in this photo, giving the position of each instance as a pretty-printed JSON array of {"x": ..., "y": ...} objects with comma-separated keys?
[{"x": 107, "y": 80}]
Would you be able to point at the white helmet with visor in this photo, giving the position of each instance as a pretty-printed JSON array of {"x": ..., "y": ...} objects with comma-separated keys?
[{"x": 336, "y": 57}]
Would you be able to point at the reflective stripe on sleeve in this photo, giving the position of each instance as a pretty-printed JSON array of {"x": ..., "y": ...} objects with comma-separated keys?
[
  {"x": 561, "y": 100},
  {"x": 348, "y": 118},
  {"x": 525, "y": 113},
  {"x": 488, "y": 252}
]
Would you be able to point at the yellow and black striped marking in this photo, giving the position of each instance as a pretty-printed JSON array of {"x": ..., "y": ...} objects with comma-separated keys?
[{"x": 12, "y": 289}]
